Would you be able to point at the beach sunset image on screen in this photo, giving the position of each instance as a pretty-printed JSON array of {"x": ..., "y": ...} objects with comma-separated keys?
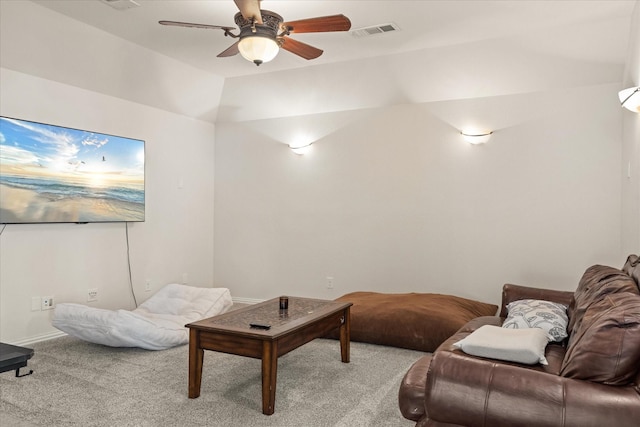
[{"x": 51, "y": 173}]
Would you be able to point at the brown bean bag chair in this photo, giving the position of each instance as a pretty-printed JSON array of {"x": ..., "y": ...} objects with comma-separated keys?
[{"x": 415, "y": 321}]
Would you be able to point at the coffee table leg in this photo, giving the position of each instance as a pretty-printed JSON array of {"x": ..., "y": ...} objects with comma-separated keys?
[
  {"x": 196, "y": 354},
  {"x": 345, "y": 336},
  {"x": 269, "y": 375}
]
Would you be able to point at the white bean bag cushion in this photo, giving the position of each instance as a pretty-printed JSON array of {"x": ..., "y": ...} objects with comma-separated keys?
[{"x": 157, "y": 324}]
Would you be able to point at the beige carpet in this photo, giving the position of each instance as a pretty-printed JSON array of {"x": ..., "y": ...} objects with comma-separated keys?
[{"x": 81, "y": 384}]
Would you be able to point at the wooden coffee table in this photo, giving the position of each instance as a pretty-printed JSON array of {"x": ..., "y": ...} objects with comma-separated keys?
[{"x": 305, "y": 320}]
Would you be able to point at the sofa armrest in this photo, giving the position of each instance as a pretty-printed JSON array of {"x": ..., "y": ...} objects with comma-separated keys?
[
  {"x": 512, "y": 293},
  {"x": 411, "y": 393},
  {"x": 471, "y": 391},
  {"x": 412, "y": 387}
]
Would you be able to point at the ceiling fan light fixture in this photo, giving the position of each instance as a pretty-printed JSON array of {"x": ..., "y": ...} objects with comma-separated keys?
[{"x": 258, "y": 49}]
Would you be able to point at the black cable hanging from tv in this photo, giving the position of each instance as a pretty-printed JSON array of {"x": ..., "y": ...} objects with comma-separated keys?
[{"x": 126, "y": 228}]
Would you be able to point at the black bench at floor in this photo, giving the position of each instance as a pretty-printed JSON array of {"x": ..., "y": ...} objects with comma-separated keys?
[{"x": 13, "y": 357}]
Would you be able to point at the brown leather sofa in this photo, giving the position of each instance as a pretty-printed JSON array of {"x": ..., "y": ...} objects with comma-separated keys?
[{"x": 592, "y": 377}]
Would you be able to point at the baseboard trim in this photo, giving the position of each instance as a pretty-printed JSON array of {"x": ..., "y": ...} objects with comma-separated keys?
[{"x": 38, "y": 338}]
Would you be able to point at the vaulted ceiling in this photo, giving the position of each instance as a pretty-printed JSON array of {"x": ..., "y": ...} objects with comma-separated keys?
[{"x": 442, "y": 50}]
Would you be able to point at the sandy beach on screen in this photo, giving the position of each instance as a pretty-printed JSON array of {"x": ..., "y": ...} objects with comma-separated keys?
[{"x": 20, "y": 205}]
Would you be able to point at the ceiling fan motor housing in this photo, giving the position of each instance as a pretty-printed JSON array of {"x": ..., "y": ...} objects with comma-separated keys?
[{"x": 269, "y": 28}]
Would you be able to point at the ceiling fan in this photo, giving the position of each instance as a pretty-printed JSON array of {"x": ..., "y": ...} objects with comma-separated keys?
[{"x": 263, "y": 33}]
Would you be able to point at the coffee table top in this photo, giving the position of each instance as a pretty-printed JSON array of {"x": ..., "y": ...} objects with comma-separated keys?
[{"x": 301, "y": 311}]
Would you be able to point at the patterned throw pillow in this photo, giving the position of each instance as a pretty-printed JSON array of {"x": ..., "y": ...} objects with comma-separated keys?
[{"x": 546, "y": 315}]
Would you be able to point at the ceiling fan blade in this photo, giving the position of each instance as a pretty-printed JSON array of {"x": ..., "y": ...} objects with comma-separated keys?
[
  {"x": 230, "y": 51},
  {"x": 319, "y": 25},
  {"x": 301, "y": 49},
  {"x": 250, "y": 9},
  {"x": 189, "y": 24}
]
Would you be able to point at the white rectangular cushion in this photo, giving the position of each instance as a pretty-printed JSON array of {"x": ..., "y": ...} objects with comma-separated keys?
[
  {"x": 514, "y": 345},
  {"x": 157, "y": 324}
]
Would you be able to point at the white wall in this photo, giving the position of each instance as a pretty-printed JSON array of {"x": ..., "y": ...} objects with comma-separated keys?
[
  {"x": 631, "y": 147},
  {"x": 64, "y": 260},
  {"x": 40, "y": 52},
  {"x": 393, "y": 200}
]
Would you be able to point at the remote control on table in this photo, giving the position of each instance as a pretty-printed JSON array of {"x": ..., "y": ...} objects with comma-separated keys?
[{"x": 260, "y": 326}]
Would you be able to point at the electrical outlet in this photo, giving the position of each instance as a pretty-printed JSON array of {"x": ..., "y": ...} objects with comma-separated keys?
[
  {"x": 47, "y": 303},
  {"x": 147, "y": 285},
  {"x": 92, "y": 294},
  {"x": 329, "y": 282}
]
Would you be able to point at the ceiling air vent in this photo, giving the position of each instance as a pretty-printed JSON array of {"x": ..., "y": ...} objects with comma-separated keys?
[
  {"x": 376, "y": 29},
  {"x": 121, "y": 4}
]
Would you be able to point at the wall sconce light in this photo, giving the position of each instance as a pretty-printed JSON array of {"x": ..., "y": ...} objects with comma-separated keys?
[
  {"x": 300, "y": 149},
  {"x": 630, "y": 99},
  {"x": 476, "y": 138}
]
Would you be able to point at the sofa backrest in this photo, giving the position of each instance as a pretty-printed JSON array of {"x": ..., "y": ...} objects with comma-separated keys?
[
  {"x": 604, "y": 326},
  {"x": 597, "y": 282},
  {"x": 605, "y": 346},
  {"x": 632, "y": 268}
]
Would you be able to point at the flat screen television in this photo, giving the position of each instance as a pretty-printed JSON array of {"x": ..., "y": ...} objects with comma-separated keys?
[{"x": 55, "y": 174}]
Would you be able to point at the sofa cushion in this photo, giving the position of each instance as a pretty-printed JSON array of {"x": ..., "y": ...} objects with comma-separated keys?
[
  {"x": 513, "y": 345},
  {"x": 596, "y": 282},
  {"x": 605, "y": 347},
  {"x": 417, "y": 321},
  {"x": 546, "y": 315}
]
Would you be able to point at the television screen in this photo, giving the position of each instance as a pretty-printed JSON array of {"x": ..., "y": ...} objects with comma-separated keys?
[{"x": 56, "y": 174}]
